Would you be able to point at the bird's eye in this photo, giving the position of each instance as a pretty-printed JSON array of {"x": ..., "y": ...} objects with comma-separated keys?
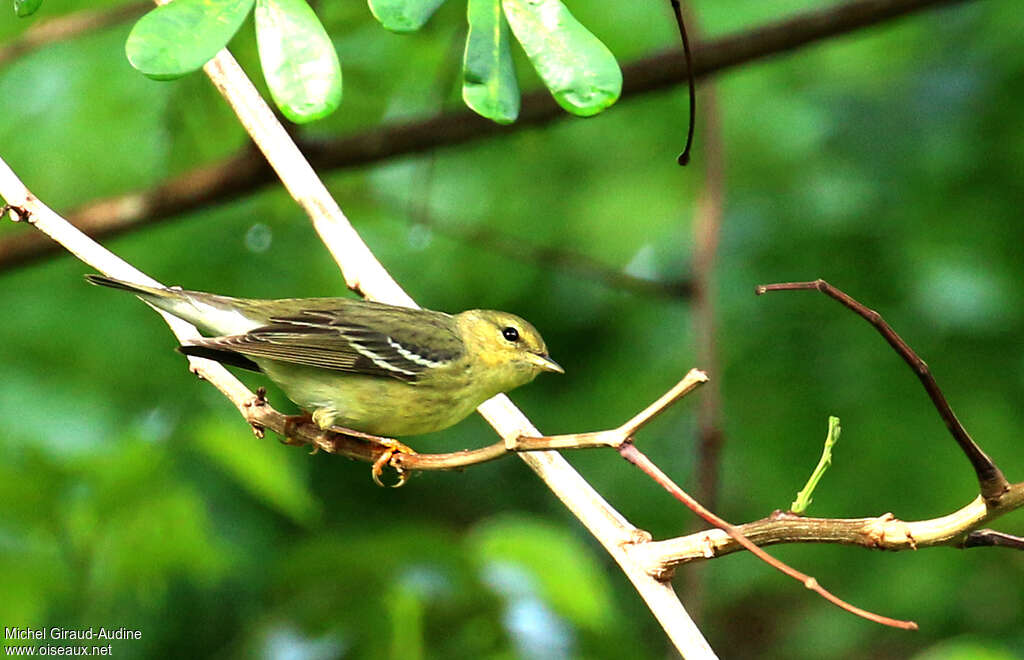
[{"x": 510, "y": 334}]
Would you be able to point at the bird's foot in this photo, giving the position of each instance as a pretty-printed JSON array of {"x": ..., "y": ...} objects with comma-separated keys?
[
  {"x": 292, "y": 421},
  {"x": 392, "y": 447}
]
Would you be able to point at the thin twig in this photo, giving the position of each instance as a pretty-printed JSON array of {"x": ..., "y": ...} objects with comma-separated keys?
[
  {"x": 618, "y": 436},
  {"x": 246, "y": 173},
  {"x": 639, "y": 459},
  {"x": 990, "y": 478}
]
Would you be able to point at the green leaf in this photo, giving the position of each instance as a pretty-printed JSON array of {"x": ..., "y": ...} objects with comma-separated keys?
[
  {"x": 570, "y": 578},
  {"x": 23, "y": 8},
  {"x": 803, "y": 498},
  {"x": 580, "y": 71},
  {"x": 403, "y": 15},
  {"x": 489, "y": 84},
  {"x": 178, "y": 38},
  {"x": 262, "y": 468},
  {"x": 298, "y": 59}
]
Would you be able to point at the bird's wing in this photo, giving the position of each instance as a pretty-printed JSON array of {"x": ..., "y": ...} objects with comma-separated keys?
[{"x": 417, "y": 342}]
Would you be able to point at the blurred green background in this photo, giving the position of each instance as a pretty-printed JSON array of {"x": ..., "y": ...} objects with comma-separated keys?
[{"x": 888, "y": 161}]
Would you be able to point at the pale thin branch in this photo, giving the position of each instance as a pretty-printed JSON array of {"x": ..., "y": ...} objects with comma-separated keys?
[
  {"x": 883, "y": 532},
  {"x": 28, "y": 207},
  {"x": 245, "y": 173},
  {"x": 604, "y": 522},
  {"x": 365, "y": 275}
]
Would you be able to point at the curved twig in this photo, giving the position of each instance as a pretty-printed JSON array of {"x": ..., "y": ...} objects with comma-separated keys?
[{"x": 990, "y": 478}]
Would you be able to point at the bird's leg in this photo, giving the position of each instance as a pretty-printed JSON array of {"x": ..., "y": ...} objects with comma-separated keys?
[
  {"x": 392, "y": 447},
  {"x": 322, "y": 421}
]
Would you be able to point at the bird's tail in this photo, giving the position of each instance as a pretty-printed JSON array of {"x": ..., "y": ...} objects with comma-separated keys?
[
  {"x": 212, "y": 314},
  {"x": 173, "y": 301},
  {"x": 137, "y": 289}
]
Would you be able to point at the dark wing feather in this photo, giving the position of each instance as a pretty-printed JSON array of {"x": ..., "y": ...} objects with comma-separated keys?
[
  {"x": 416, "y": 342},
  {"x": 229, "y": 358}
]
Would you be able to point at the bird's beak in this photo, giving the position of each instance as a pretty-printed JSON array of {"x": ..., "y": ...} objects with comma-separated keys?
[{"x": 544, "y": 363}]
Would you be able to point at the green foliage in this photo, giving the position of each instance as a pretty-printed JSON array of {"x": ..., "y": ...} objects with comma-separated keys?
[
  {"x": 967, "y": 649},
  {"x": 403, "y": 15},
  {"x": 268, "y": 473},
  {"x": 23, "y": 8},
  {"x": 804, "y": 497},
  {"x": 178, "y": 38},
  {"x": 489, "y": 84},
  {"x": 884, "y": 161},
  {"x": 580, "y": 71},
  {"x": 567, "y": 574},
  {"x": 302, "y": 70},
  {"x": 298, "y": 60},
  {"x": 297, "y": 56}
]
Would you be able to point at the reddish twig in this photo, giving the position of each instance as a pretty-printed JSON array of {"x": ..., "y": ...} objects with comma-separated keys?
[
  {"x": 629, "y": 452},
  {"x": 990, "y": 478}
]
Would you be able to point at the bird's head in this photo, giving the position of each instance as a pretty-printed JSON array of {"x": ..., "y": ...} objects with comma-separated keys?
[{"x": 507, "y": 346}]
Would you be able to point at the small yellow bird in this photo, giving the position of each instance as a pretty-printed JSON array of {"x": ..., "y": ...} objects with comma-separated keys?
[{"x": 366, "y": 366}]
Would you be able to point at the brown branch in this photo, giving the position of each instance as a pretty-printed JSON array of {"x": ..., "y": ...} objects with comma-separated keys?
[
  {"x": 67, "y": 27},
  {"x": 640, "y": 460},
  {"x": 982, "y": 538},
  {"x": 884, "y": 532},
  {"x": 245, "y": 173},
  {"x": 707, "y": 222},
  {"x": 706, "y": 230},
  {"x": 990, "y": 478}
]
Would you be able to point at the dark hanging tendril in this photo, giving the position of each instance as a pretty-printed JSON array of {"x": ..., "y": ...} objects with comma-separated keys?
[{"x": 684, "y": 157}]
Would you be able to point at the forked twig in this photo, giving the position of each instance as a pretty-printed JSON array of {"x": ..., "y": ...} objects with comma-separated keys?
[
  {"x": 629, "y": 452},
  {"x": 990, "y": 478},
  {"x": 613, "y": 437}
]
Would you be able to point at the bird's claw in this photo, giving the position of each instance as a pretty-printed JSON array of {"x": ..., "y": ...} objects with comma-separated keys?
[
  {"x": 290, "y": 422},
  {"x": 392, "y": 447}
]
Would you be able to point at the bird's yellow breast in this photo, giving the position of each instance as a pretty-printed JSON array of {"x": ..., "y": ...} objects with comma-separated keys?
[{"x": 378, "y": 405}]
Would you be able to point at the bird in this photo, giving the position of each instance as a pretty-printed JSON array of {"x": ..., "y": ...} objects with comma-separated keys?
[{"x": 360, "y": 365}]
